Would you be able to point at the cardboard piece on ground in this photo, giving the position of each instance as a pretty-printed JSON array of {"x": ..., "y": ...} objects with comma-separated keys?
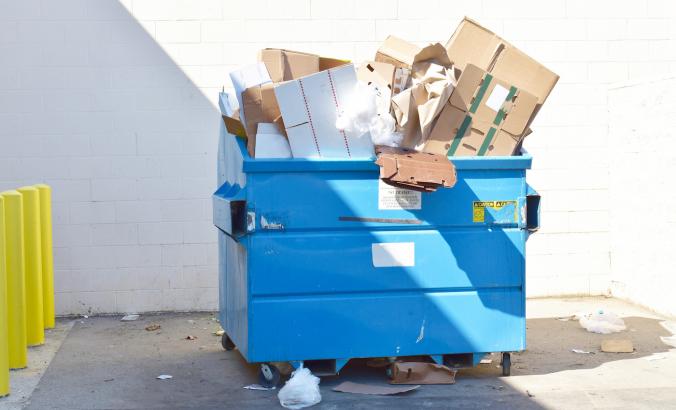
[
  {"x": 309, "y": 107},
  {"x": 259, "y": 105},
  {"x": 484, "y": 116},
  {"x": 473, "y": 44},
  {"x": 359, "y": 388},
  {"x": 415, "y": 170},
  {"x": 617, "y": 346},
  {"x": 270, "y": 142},
  {"x": 421, "y": 373},
  {"x": 247, "y": 77},
  {"x": 286, "y": 65}
]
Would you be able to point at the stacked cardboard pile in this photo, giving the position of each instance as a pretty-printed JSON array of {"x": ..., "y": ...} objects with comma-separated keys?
[{"x": 474, "y": 96}]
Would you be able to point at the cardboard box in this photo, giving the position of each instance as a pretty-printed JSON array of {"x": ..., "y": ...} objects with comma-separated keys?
[
  {"x": 246, "y": 77},
  {"x": 377, "y": 73},
  {"x": 230, "y": 115},
  {"x": 309, "y": 107},
  {"x": 270, "y": 143},
  {"x": 286, "y": 65},
  {"x": 484, "y": 116},
  {"x": 259, "y": 105},
  {"x": 473, "y": 44},
  {"x": 398, "y": 52}
]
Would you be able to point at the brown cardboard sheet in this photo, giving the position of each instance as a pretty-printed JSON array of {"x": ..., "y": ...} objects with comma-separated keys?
[{"x": 421, "y": 373}]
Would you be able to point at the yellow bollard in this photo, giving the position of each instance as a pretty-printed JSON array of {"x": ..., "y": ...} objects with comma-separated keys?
[
  {"x": 35, "y": 324},
  {"x": 4, "y": 349},
  {"x": 16, "y": 288},
  {"x": 47, "y": 253}
]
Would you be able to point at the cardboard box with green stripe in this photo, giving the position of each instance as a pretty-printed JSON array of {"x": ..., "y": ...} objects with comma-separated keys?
[{"x": 484, "y": 116}]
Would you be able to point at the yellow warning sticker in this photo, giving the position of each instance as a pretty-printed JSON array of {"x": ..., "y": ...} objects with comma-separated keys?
[{"x": 479, "y": 209}]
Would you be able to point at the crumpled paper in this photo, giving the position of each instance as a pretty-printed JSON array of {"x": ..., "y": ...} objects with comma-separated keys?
[{"x": 416, "y": 108}]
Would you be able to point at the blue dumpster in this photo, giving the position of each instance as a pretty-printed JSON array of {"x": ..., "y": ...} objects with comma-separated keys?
[{"x": 320, "y": 262}]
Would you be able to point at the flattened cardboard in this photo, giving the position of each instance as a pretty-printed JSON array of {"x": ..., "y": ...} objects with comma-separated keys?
[
  {"x": 473, "y": 44},
  {"x": 421, "y": 373},
  {"x": 359, "y": 388},
  {"x": 234, "y": 125},
  {"x": 287, "y": 65},
  {"x": 415, "y": 170},
  {"x": 309, "y": 107},
  {"x": 259, "y": 105},
  {"x": 617, "y": 346},
  {"x": 483, "y": 123}
]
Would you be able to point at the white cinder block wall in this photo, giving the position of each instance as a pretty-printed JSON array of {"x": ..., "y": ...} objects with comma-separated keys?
[{"x": 113, "y": 104}]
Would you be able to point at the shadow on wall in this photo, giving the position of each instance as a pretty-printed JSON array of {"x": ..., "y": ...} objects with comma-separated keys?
[{"x": 93, "y": 106}]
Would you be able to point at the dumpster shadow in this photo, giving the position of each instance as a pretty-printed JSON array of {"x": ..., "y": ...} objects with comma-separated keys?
[{"x": 121, "y": 133}]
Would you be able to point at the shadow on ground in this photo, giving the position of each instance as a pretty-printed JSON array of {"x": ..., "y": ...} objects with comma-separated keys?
[{"x": 108, "y": 364}]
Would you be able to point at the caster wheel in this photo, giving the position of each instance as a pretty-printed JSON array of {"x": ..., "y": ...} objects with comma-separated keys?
[
  {"x": 506, "y": 364},
  {"x": 269, "y": 376},
  {"x": 227, "y": 343}
]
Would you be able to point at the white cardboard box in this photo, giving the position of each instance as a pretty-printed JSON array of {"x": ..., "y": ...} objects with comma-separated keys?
[
  {"x": 309, "y": 107},
  {"x": 270, "y": 143},
  {"x": 246, "y": 77}
]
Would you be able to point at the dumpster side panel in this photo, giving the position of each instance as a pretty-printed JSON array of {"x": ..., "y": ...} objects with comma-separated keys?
[
  {"x": 325, "y": 262},
  {"x": 387, "y": 324}
]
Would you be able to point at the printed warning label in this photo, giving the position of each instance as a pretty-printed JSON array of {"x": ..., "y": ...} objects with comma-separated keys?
[
  {"x": 500, "y": 211},
  {"x": 390, "y": 197}
]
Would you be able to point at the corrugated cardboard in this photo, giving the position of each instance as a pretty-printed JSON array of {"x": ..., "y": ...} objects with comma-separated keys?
[
  {"x": 309, "y": 107},
  {"x": 359, "y": 388},
  {"x": 286, "y": 65},
  {"x": 473, "y": 44},
  {"x": 398, "y": 52},
  {"x": 421, "y": 373},
  {"x": 415, "y": 170},
  {"x": 617, "y": 346},
  {"x": 258, "y": 105},
  {"x": 484, "y": 116},
  {"x": 246, "y": 77},
  {"x": 374, "y": 72},
  {"x": 234, "y": 125},
  {"x": 270, "y": 143}
]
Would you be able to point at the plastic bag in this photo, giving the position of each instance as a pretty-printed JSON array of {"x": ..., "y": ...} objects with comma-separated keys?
[
  {"x": 367, "y": 111},
  {"x": 302, "y": 390},
  {"x": 602, "y": 322}
]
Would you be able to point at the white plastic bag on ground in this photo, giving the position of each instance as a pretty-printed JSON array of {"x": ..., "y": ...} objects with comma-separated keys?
[
  {"x": 302, "y": 390},
  {"x": 602, "y": 322}
]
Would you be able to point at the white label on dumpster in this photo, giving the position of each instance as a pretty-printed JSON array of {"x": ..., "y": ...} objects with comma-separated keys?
[
  {"x": 386, "y": 255},
  {"x": 497, "y": 97},
  {"x": 390, "y": 197}
]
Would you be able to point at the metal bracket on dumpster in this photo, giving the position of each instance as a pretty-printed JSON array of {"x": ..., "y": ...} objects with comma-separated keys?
[
  {"x": 230, "y": 215},
  {"x": 532, "y": 209}
]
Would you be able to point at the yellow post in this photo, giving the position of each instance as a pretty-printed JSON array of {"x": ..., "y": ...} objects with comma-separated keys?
[
  {"x": 4, "y": 348},
  {"x": 16, "y": 288},
  {"x": 35, "y": 324},
  {"x": 47, "y": 254}
]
